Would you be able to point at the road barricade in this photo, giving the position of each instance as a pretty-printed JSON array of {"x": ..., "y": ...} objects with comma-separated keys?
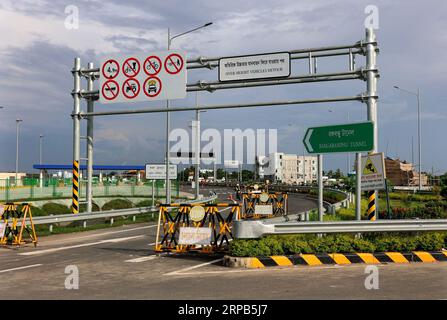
[
  {"x": 195, "y": 227},
  {"x": 257, "y": 205},
  {"x": 14, "y": 229}
]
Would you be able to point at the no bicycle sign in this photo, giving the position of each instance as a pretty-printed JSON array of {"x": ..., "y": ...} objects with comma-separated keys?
[{"x": 136, "y": 78}]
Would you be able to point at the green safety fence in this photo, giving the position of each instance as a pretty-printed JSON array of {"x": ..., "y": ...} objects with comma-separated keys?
[{"x": 28, "y": 189}]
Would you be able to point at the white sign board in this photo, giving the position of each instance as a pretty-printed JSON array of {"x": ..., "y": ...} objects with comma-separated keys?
[
  {"x": 231, "y": 164},
  {"x": 373, "y": 172},
  {"x": 191, "y": 235},
  {"x": 263, "y": 209},
  {"x": 260, "y": 66},
  {"x": 148, "y": 77},
  {"x": 158, "y": 171}
]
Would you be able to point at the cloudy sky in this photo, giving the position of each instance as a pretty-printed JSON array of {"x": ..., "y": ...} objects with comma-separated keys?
[{"x": 37, "y": 52}]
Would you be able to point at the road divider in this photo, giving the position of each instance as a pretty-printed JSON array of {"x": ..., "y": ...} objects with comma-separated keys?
[{"x": 335, "y": 259}]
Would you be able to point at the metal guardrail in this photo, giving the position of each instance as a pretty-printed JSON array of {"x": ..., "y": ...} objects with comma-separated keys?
[
  {"x": 102, "y": 214},
  {"x": 256, "y": 228}
]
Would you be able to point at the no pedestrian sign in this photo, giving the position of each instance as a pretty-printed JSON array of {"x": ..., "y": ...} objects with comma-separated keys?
[{"x": 136, "y": 78}]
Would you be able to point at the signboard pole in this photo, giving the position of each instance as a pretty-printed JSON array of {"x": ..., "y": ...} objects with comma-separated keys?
[
  {"x": 153, "y": 193},
  {"x": 358, "y": 189},
  {"x": 76, "y": 133},
  {"x": 320, "y": 187},
  {"x": 90, "y": 108},
  {"x": 371, "y": 86}
]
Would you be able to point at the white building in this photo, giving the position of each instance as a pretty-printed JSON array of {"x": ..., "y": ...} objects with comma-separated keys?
[{"x": 287, "y": 168}]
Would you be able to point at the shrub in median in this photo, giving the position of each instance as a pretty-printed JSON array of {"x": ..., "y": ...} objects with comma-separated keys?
[
  {"x": 117, "y": 204},
  {"x": 55, "y": 208}
]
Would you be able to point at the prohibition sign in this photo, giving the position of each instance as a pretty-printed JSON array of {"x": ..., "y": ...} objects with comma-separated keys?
[
  {"x": 131, "y": 88},
  {"x": 110, "y": 90},
  {"x": 131, "y": 67},
  {"x": 152, "y": 65},
  {"x": 152, "y": 87},
  {"x": 175, "y": 63},
  {"x": 110, "y": 69}
]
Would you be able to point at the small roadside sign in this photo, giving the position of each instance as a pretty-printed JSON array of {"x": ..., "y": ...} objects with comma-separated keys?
[
  {"x": 259, "y": 66},
  {"x": 373, "y": 172},
  {"x": 193, "y": 235},
  {"x": 154, "y": 76},
  {"x": 158, "y": 171},
  {"x": 264, "y": 209}
]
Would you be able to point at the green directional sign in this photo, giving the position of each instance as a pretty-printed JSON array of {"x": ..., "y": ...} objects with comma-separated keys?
[{"x": 351, "y": 137}]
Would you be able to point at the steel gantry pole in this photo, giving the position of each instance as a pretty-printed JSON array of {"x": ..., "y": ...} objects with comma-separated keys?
[
  {"x": 371, "y": 85},
  {"x": 197, "y": 151},
  {"x": 168, "y": 128},
  {"x": 76, "y": 133},
  {"x": 90, "y": 108}
]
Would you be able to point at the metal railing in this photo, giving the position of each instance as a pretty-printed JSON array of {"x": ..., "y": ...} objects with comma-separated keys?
[
  {"x": 257, "y": 229},
  {"x": 30, "y": 189},
  {"x": 102, "y": 214}
]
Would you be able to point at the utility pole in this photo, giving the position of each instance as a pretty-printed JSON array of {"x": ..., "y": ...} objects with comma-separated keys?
[
  {"x": 40, "y": 160},
  {"x": 17, "y": 148},
  {"x": 168, "y": 116}
]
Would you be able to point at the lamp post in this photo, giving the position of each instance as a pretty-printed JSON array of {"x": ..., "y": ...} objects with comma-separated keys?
[
  {"x": 168, "y": 117},
  {"x": 417, "y": 94},
  {"x": 40, "y": 160},
  {"x": 17, "y": 148}
]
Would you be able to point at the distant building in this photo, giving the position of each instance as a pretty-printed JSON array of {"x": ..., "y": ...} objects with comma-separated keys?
[
  {"x": 287, "y": 168},
  {"x": 402, "y": 173}
]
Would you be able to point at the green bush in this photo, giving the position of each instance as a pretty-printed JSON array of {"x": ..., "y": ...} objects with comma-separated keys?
[
  {"x": 430, "y": 241},
  {"x": 55, "y": 208},
  {"x": 83, "y": 207},
  {"x": 117, "y": 204},
  {"x": 35, "y": 211},
  {"x": 144, "y": 203}
]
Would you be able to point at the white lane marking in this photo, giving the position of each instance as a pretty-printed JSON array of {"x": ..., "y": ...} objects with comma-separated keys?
[
  {"x": 142, "y": 259},
  {"x": 152, "y": 244},
  {"x": 193, "y": 267},
  {"x": 112, "y": 232},
  {"x": 31, "y": 253},
  {"x": 21, "y": 268}
]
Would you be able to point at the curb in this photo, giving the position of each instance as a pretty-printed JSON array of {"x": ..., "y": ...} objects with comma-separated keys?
[{"x": 334, "y": 259}]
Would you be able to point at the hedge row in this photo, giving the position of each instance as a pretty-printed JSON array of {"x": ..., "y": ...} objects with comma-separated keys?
[
  {"x": 329, "y": 196},
  {"x": 431, "y": 210},
  {"x": 340, "y": 243},
  {"x": 403, "y": 196}
]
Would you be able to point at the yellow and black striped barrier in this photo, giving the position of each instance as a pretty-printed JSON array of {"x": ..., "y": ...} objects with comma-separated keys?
[
  {"x": 11, "y": 217},
  {"x": 344, "y": 259},
  {"x": 174, "y": 216},
  {"x": 75, "y": 201},
  {"x": 278, "y": 201},
  {"x": 372, "y": 205}
]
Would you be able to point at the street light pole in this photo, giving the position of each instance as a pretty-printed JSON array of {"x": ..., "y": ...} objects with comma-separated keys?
[
  {"x": 168, "y": 117},
  {"x": 17, "y": 148},
  {"x": 418, "y": 96},
  {"x": 40, "y": 161}
]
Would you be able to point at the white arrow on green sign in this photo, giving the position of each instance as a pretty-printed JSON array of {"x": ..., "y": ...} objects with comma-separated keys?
[{"x": 351, "y": 137}]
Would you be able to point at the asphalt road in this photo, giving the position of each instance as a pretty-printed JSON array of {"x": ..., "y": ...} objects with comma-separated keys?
[{"x": 119, "y": 263}]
